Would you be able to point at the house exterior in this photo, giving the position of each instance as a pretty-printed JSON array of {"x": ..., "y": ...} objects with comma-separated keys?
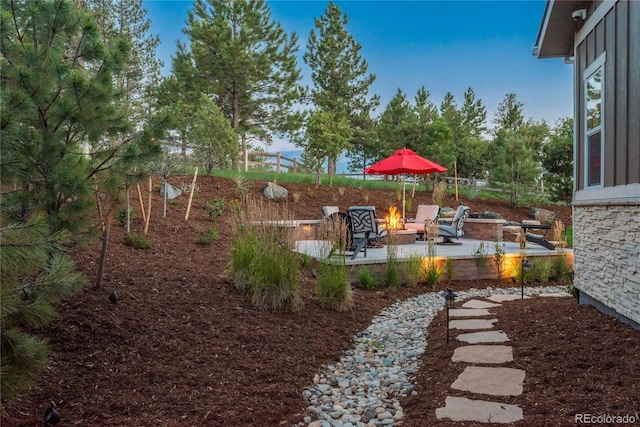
[{"x": 602, "y": 41}]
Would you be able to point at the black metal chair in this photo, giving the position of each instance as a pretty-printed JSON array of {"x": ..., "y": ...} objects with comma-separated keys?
[{"x": 364, "y": 228}]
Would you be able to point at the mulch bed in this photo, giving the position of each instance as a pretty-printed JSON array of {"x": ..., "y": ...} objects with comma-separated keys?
[{"x": 183, "y": 347}]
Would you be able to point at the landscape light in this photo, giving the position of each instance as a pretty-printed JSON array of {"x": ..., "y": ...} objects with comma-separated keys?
[{"x": 450, "y": 301}]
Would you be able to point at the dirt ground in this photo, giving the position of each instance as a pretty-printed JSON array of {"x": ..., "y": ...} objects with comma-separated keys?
[{"x": 183, "y": 347}]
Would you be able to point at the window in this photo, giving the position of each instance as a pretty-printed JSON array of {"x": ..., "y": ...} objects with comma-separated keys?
[{"x": 593, "y": 83}]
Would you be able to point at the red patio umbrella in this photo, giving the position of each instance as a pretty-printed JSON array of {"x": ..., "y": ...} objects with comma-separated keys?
[{"x": 404, "y": 161}]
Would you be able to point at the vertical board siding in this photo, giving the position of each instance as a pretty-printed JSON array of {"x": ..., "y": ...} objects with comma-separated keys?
[
  {"x": 616, "y": 34},
  {"x": 581, "y": 65},
  {"x": 633, "y": 97},
  {"x": 611, "y": 119}
]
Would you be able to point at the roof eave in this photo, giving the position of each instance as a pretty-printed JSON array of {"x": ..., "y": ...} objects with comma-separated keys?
[{"x": 557, "y": 29}]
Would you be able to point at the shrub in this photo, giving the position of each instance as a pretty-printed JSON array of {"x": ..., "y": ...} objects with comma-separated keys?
[
  {"x": 122, "y": 215},
  {"x": 333, "y": 289},
  {"x": 498, "y": 258},
  {"x": 366, "y": 278},
  {"x": 208, "y": 237},
  {"x": 305, "y": 260},
  {"x": 432, "y": 276},
  {"x": 449, "y": 268},
  {"x": 561, "y": 270},
  {"x": 479, "y": 259},
  {"x": 541, "y": 270},
  {"x": 391, "y": 275},
  {"x": 137, "y": 240},
  {"x": 261, "y": 262},
  {"x": 215, "y": 208},
  {"x": 413, "y": 270}
]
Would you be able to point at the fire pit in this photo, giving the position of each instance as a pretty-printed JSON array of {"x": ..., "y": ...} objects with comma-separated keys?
[{"x": 395, "y": 228}]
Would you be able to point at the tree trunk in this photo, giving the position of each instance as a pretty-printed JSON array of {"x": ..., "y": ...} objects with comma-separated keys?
[{"x": 103, "y": 253}]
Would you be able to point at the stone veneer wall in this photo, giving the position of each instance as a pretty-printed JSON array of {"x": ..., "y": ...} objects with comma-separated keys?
[{"x": 606, "y": 246}]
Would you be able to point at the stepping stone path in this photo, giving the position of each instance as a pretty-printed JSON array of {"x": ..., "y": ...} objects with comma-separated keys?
[{"x": 483, "y": 380}]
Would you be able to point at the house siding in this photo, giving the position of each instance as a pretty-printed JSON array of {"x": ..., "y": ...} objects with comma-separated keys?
[
  {"x": 607, "y": 220},
  {"x": 607, "y": 256},
  {"x": 617, "y": 35}
]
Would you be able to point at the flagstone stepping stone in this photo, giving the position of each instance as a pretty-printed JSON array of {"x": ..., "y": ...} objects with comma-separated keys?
[
  {"x": 485, "y": 337},
  {"x": 491, "y": 381},
  {"x": 505, "y": 297},
  {"x": 555, "y": 295},
  {"x": 468, "y": 312},
  {"x": 483, "y": 354},
  {"x": 472, "y": 324},
  {"x": 476, "y": 303},
  {"x": 463, "y": 409}
]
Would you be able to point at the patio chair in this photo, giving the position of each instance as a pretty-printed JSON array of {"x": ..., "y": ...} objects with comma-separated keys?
[
  {"x": 327, "y": 211},
  {"x": 454, "y": 231},
  {"x": 340, "y": 223},
  {"x": 423, "y": 214},
  {"x": 364, "y": 228},
  {"x": 539, "y": 239}
]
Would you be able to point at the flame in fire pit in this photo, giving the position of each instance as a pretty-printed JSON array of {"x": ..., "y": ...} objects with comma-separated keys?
[{"x": 393, "y": 219}]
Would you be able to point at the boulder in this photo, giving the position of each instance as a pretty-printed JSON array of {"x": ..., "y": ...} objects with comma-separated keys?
[
  {"x": 542, "y": 215},
  {"x": 171, "y": 193},
  {"x": 447, "y": 212},
  {"x": 486, "y": 215},
  {"x": 273, "y": 191}
]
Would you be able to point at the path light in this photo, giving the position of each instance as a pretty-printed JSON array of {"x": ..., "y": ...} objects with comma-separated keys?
[
  {"x": 51, "y": 416},
  {"x": 450, "y": 302},
  {"x": 525, "y": 267},
  {"x": 113, "y": 297}
]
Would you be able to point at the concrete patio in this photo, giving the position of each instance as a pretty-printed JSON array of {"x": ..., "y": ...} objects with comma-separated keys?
[{"x": 461, "y": 256}]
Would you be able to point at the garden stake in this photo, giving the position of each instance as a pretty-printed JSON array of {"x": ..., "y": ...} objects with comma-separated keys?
[{"x": 193, "y": 186}]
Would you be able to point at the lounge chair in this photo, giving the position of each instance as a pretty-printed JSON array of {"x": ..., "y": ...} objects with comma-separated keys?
[
  {"x": 454, "y": 230},
  {"x": 423, "y": 214},
  {"x": 364, "y": 228},
  {"x": 539, "y": 239}
]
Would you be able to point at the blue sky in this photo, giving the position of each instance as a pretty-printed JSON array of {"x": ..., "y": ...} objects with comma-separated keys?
[{"x": 445, "y": 46}]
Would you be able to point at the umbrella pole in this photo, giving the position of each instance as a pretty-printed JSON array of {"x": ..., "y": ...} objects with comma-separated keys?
[{"x": 404, "y": 182}]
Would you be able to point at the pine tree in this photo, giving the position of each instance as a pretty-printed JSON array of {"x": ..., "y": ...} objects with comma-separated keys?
[
  {"x": 211, "y": 136},
  {"x": 34, "y": 275},
  {"x": 512, "y": 165},
  {"x": 509, "y": 113},
  {"x": 395, "y": 128},
  {"x": 61, "y": 118},
  {"x": 247, "y": 64},
  {"x": 339, "y": 75},
  {"x": 140, "y": 75},
  {"x": 557, "y": 161}
]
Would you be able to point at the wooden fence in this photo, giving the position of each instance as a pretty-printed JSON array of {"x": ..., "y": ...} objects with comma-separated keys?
[{"x": 281, "y": 162}]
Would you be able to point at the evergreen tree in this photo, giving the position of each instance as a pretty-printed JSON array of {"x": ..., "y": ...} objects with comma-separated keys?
[
  {"x": 61, "y": 122},
  {"x": 437, "y": 144},
  {"x": 180, "y": 94},
  {"x": 34, "y": 275},
  {"x": 247, "y": 64},
  {"x": 472, "y": 147},
  {"x": 473, "y": 115},
  {"x": 557, "y": 161},
  {"x": 326, "y": 137},
  {"x": 140, "y": 75},
  {"x": 512, "y": 165},
  {"x": 211, "y": 136},
  {"x": 509, "y": 113},
  {"x": 364, "y": 145},
  {"x": 339, "y": 75},
  {"x": 395, "y": 126}
]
